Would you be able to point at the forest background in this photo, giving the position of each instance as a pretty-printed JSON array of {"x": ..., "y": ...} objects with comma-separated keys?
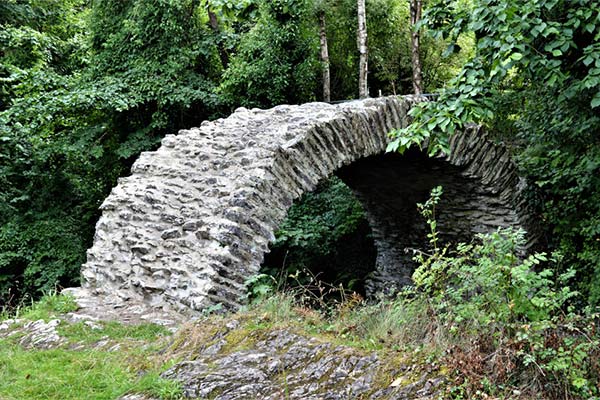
[{"x": 85, "y": 86}]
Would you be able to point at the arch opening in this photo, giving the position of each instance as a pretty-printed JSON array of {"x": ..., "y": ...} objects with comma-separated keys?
[
  {"x": 390, "y": 185},
  {"x": 325, "y": 243},
  {"x": 362, "y": 227}
]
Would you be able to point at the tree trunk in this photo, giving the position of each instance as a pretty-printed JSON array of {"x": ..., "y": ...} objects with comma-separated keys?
[
  {"x": 416, "y": 7},
  {"x": 214, "y": 25},
  {"x": 363, "y": 91},
  {"x": 324, "y": 58}
]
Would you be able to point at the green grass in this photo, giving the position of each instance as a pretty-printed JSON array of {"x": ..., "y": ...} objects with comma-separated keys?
[
  {"x": 82, "y": 333},
  {"x": 60, "y": 374},
  {"x": 78, "y": 370},
  {"x": 63, "y": 374},
  {"x": 46, "y": 308}
]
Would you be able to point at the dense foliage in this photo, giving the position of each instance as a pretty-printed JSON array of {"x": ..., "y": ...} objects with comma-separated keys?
[
  {"x": 506, "y": 320},
  {"x": 535, "y": 81},
  {"x": 325, "y": 236},
  {"x": 42, "y": 216},
  {"x": 276, "y": 61},
  {"x": 85, "y": 86}
]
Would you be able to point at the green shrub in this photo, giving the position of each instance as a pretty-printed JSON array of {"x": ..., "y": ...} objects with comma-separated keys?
[
  {"x": 508, "y": 317},
  {"x": 37, "y": 254}
]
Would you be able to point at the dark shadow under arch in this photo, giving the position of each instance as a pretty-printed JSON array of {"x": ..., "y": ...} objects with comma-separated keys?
[{"x": 391, "y": 185}]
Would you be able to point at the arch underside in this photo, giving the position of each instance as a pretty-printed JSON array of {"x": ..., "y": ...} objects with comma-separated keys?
[
  {"x": 193, "y": 221},
  {"x": 389, "y": 187}
]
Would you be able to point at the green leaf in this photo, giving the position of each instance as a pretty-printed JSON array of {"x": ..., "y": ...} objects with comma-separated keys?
[
  {"x": 596, "y": 100},
  {"x": 588, "y": 60}
]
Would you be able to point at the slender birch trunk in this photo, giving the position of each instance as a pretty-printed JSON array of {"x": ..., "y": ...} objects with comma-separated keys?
[
  {"x": 363, "y": 91},
  {"x": 324, "y": 58},
  {"x": 416, "y": 8},
  {"x": 213, "y": 22}
]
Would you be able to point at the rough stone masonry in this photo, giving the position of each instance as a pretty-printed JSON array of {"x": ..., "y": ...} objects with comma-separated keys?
[{"x": 195, "y": 218}]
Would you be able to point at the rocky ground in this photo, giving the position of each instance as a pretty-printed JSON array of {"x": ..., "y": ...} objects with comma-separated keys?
[
  {"x": 280, "y": 364},
  {"x": 248, "y": 356}
]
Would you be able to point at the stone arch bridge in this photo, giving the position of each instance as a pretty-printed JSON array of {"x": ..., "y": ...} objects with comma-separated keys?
[{"x": 195, "y": 218}]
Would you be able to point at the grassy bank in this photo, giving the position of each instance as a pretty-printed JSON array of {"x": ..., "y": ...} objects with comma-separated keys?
[{"x": 99, "y": 360}]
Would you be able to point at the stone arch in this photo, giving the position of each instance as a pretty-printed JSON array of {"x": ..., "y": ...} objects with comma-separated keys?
[{"x": 195, "y": 217}]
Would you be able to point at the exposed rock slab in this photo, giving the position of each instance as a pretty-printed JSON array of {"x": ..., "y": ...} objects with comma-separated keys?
[
  {"x": 284, "y": 365},
  {"x": 38, "y": 334},
  {"x": 94, "y": 307}
]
